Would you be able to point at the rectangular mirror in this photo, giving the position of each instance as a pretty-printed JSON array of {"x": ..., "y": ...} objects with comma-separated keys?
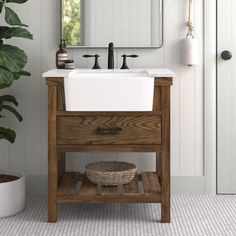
[{"x": 127, "y": 23}]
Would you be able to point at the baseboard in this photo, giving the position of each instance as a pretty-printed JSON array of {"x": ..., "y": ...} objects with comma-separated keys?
[
  {"x": 187, "y": 184},
  {"x": 37, "y": 184}
]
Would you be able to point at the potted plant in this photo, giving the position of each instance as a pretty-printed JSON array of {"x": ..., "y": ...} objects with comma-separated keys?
[{"x": 12, "y": 63}]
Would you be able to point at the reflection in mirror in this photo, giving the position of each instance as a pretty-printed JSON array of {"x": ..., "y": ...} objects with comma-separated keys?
[{"x": 127, "y": 23}]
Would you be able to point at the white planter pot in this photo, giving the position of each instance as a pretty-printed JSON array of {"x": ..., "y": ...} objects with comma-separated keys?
[{"x": 12, "y": 194}]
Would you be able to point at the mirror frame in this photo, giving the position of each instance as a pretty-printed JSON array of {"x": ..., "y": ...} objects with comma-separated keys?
[{"x": 120, "y": 47}]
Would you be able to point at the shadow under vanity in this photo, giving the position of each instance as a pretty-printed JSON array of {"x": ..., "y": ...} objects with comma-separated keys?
[{"x": 140, "y": 131}]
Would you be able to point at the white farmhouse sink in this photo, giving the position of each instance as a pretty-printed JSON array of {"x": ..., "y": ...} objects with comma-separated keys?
[{"x": 109, "y": 90}]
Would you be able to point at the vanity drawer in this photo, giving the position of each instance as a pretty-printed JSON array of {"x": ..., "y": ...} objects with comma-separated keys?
[{"x": 109, "y": 130}]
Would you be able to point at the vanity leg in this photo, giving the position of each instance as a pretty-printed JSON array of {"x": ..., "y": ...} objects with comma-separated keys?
[
  {"x": 52, "y": 154},
  {"x": 60, "y": 167},
  {"x": 165, "y": 156},
  {"x": 165, "y": 205},
  {"x": 158, "y": 166},
  {"x": 52, "y": 189}
]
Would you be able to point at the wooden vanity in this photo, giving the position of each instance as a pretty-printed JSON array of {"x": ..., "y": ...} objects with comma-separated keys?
[{"x": 108, "y": 132}]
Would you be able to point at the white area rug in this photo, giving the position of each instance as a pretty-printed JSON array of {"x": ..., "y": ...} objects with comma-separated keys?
[{"x": 191, "y": 215}]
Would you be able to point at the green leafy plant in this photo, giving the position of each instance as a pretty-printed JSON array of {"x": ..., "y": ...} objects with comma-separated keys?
[
  {"x": 12, "y": 61},
  {"x": 71, "y": 22}
]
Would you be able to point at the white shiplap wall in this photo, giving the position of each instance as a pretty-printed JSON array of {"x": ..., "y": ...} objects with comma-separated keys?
[
  {"x": 122, "y": 22},
  {"x": 29, "y": 153}
]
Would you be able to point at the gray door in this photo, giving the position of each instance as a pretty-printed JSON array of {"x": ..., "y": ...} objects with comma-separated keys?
[{"x": 226, "y": 97}]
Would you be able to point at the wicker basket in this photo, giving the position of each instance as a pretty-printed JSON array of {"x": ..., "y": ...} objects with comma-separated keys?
[{"x": 110, "y": 173}]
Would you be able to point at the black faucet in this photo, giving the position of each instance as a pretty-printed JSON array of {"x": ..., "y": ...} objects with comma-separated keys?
[
  {"x": 110, "y": 56},
  {"x": 96, "y": 56},
  {"x": 124, "y": 65}
]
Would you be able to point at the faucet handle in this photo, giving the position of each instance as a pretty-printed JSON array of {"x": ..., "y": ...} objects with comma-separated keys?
[
  {"x": 124, "y": 65},
  {"x": 132, "y": 55},
  {"x": 96, "y": 56},
  {"x": 89, "y": 55}
]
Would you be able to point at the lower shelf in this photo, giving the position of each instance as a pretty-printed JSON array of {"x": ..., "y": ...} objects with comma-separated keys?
[{"x": 75, "y": 187}]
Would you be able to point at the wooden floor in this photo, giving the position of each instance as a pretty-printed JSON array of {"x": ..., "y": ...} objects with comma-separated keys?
[{"x": 75, "y": 187}]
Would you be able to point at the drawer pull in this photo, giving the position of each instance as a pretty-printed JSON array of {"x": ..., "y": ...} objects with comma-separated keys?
[{"x": 108, "y": 130}]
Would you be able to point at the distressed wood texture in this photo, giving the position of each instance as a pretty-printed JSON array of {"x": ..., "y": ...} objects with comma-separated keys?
[
  {"x": 52, "y": 153},
  {"x": 87, "y": 188},
  {"x": 108, "y": 148},
  {"x": 67, "y": 191},
  {"x": 68, "y": 183},
  {"x": 131, "y": 188},
  {"x": 133, "y": 130},
  {"x": 61, "y": 166},
  {"x": 109, "y": 131},
  {"x": 150, "y": 183},
  {"x": 165, "y": 156}
]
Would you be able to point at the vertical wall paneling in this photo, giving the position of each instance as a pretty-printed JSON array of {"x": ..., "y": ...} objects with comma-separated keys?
[
  {"x": 198, "y": 95},
  {"x": 80, "y": 62},
  {"x": 123, "y": 156},
  {"x": 210, "y": 96},
  {"x": 50, "y": 40},
  {"x": 117, "y": 19},
  {"x": 4, "y": 122},
  {"x": 172, "y": 56},
  {"x": 4, "y": 150},
  {"x": 107, "y": 20},
  {"x": 149, "y": 58},
  {"x": 76, "y": 161},
  {"x": 124, "y": 22},
  {"x": 29, "y": 153},
  {"x": 186, "y": 95},
  {"x": 4, "y": 144},
  {"x": 155, "y": 29},
  {"x": 144, "y": 161},
  {"x": 25, "y": 154},
  {"x": 87, "y": 22},
  {"x": 33, "y": 135}
]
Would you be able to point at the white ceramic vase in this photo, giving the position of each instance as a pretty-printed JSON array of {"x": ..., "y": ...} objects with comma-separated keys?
[
  {"x": 190, "y": 51},
  {"x": 12, "y": 194}
]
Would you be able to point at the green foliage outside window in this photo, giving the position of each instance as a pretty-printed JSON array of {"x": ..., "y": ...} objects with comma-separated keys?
[{"x": 71, "y": 21}]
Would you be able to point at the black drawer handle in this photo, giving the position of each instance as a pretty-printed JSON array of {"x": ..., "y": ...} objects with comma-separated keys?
[{"x": 108, "y": 130}]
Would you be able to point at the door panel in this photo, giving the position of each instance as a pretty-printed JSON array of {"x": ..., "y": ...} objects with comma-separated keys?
[{"x": 226, "y": 98}]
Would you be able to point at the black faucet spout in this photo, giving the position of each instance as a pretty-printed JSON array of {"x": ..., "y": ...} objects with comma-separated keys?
[{"x": 111, "y": 56}]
